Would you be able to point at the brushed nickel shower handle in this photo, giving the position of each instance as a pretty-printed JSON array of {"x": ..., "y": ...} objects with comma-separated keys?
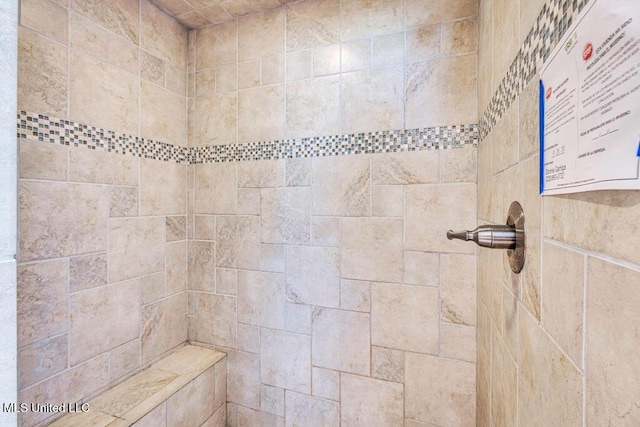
[{"x": 488, "y": 236}]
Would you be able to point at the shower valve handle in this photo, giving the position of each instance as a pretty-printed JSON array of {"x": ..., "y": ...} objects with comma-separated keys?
[{"x": 488, "y": 236}]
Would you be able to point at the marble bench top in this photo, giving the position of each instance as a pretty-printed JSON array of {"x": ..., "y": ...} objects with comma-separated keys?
[{"x": 132, "y": 399}]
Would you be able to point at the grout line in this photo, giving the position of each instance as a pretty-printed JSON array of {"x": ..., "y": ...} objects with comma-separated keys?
[{"x": 584, "y": 340}]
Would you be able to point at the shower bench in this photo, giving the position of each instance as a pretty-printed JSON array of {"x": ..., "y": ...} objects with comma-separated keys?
[{"x": 185, "y": 388}]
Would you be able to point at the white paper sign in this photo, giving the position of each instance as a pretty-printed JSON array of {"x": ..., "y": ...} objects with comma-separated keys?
[{"x": 590, "y": 102}]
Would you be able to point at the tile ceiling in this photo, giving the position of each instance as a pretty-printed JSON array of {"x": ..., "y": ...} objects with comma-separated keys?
[{"x": 199, "y": 13}]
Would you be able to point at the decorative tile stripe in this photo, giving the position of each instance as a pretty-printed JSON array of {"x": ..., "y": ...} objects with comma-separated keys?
[
  {"x": 551, "y": 24},
  {"x": 53, "y": 130}
]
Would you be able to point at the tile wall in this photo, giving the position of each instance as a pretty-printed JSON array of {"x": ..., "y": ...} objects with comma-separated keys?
[
  {"x": 102, "y": 243},
  {"x": 8, "y": 208},
  {"x": 329, "y": 280},
  {"x": 556, "y": 344}
]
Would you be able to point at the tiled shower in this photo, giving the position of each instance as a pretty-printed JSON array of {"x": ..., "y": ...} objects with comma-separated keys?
[{"x": 274, "y": 180}]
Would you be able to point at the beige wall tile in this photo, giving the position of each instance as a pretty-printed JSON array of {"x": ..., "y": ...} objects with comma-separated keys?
[
  {"x": 216, "y": 320},
  {"x": 201, "y": 266},
  {"x": 136, "y": 247},
  {"x": 563, "y": 298},
  {"x": 504, "y": 383},
  {"x": 440, "y": 203},
  {"x": 531, "y": 203},
  {"x": 162, "y": 187},
  {"x": 157, "y": 417},
  {"x": 311, "y": 24},
  {"x": 163, "y": 326},
  {"x": 285, "y": 360},
  {"x": 88, "y": 271},
  {"x": 549, "y": 386},
  {"x": 261, "y": 173},
  {"x": 193, "y": 404},
  {"x": 176, "y": 228},
  {"x": 458, "y": 342},
  {"x": 285, "y": 215},
  {"x": 313, "y": 107},
  {"x": 505, "y": 35},
  {"x": 43, "y": 161},
  {"x": 176, "y": 79},
  {"x": 458, "y": 165},
  {"x": 123, "y": 201},
  {"x": 273, "y": 70},
  {"x": 326, "y": 383},
  {"x": 248, "y": 338},
  {"x": 151, "y": 68},
  {"x": 405, "y": 317},
  {"x": 439, "y": 391},
  {"x": 261, "y": 114},
  {"x": 215, "y": 188},
  {"x": 424, "y": 43},
  {"x": 311, "y": 411},
  {"x": 226, "y": 281},
  {"x": 373, "y": 100},
  {"x": 103, "y": 318},
  {"x": 162, "y": 35},
  {"x": 505, "y": 140},
  {"x": 272, "y": 258},
  {"x": 205, "y": 227},
  {"x": 341, "y": 341},
  {"x": 88, "y": 36},
  {"x": 215, "y": 14},
  {"x": 243, "y": 376},
  {"x": 355, "y": 55},
  {"x": 216, "y": 119},
  {"x": 372, "y": 249},
  {"x": 249, "y": 74},
  {"x": 529, "y": 125},
  {"x": 421, "y": 13},
  {"x": 176, "y": 267},
  {"x": 428, "y": 82},
  {"x": 362, "y": 18},
  {"x": 163, "y": 115},
  {"x": 313, "y": 275},
  {"x": 60, "y": 219},
  {"x": 248, "y": 201},
  {"x": 41, "y": 301},
  {"x": 387, "y": 364},
  {"x": 238, "y": 242},
  {"x": 152, "y": 288},
  {"x": 368, "y": 401},
  {"x": 529, "y": 11},
  {"x": 298, "y": 318},
  {"x": 45, "y": 17},
  {"x": 298, "y": 172},
  {"x": 485, "y": 64},
  {"x": 415, "y": 167},
  {"x": 460, "y": 37},
  {"x": 97, "y": 166},
  {"x": 261, "y": 34},
  {"x": 217, "y": 45},
  {"x": 388, "y": 50},
  {"x": 261, "y": 299},
  {"x": 485, "y": 179},
  {"x": 249, "y": 417},
  {"x": 103, "y": 95},
  {"x": 299, "y": 65},
  {"x": 421, "y": 268},
  {"x": 272, "y": 400},
  {"x": 42, "y": 74},
  {"x": 326, "y": 60},
  {"x": 341, "y": 186},
  {"x": 612, "y": 340},
  {"x": 42, "y": 360},
  {"x": 355, "y": 295},
  {"x": 124, "y": 54},
  {"x": 596, "y": 221},
  {"x": 73, "y": 385},
  {"x": 205, "y": 80},
  {"x": 325, "y": 231},
  {"x": 458, "y": 288},
  {"x": 119, "y": 16}
]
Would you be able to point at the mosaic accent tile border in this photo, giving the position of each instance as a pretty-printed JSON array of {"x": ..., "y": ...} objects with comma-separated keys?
[
  {"x": 551, "y": 24},
  {"x": 38, "y": 127},
  {"x": 32, "y": 126}
]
